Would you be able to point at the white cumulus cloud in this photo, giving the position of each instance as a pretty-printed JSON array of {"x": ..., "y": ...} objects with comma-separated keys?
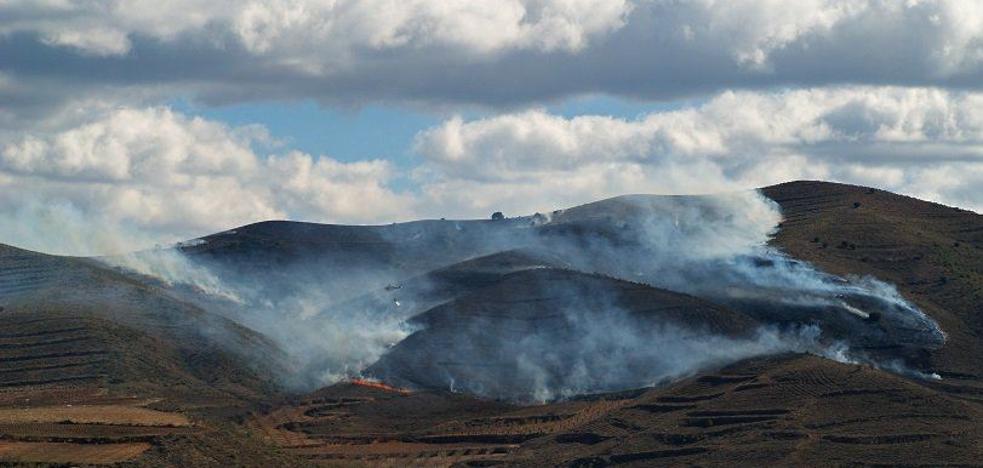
[
  {"x": 159, "y": 175},
  {"x": 309, "y": 28},
  {"x": 923, "y": 141},
  {"x": 499, "y": 53}
]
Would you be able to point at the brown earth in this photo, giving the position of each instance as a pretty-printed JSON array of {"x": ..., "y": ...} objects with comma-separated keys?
[
  {"x": 933, "y": 253},
  {"x": 473, "y": 339},
  {"x": 784, "y": 410},
  {"x": 146, "y": 387},
  {"x": 787, "y": 410},
  {"x": 58, "y": 452},
  {"x": 99, "y": 368}
]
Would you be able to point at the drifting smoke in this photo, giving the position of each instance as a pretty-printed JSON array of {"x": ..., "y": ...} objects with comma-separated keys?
[
  {"x": 62, "y": 229},
  {"x": 714, "y": 248},
  {"x": 613, "y": 355},
  {"x": 288, "y": 309},
  {"x": 328, "y": 346},
  {"x": 173, "y": 268},
  {"x": 338, "y": 313},
  {"x": 575, "y": 335}
]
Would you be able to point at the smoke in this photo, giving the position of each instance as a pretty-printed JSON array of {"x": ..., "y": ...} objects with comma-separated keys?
[
  {"x": 287, "y": 306},
  {"x": 713, "y": 247},
  {"x": 716, "y": 248},
  {"x": 173, "y": 268},
  {"x": 572, "y": 335},
  {"x": 615, "y": 354},
  {"x": 59, "y": 227},
  {"x": 340, "y": 311},
  {"x": 328, "y": 341}
]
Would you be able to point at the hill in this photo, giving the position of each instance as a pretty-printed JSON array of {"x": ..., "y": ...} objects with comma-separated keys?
[
  {"x": 543, "y": 332},
  {"x": 636, "y": 330},
  {"x": 97, "y": 366},
  {"x": 784, "y": 409},
  {"x": 933, "y": 253}
]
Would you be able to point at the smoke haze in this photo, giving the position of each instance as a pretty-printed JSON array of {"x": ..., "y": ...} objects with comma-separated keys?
[{"x": 340, "y": 311}]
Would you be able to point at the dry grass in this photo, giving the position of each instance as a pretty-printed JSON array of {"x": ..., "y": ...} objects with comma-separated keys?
[
  {"x": 49, "y": 452},
  {"x": 93, "y": 414},
  {"x": 61, "y": 432}
]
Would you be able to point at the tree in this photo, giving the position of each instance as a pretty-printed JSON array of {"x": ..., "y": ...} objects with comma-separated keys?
[{"x": 497, "y": 216}]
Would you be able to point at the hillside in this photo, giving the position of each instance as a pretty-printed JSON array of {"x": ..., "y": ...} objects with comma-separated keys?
[
  {"x": 533, "y": 332},
  {"x": 786, "y": 409},
  {"x": 613, "y": 333},
  {"x": 933, "y": 253},
  {"x": 97, "y": 366}
]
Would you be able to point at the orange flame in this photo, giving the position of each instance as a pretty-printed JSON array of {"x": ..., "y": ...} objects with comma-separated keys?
[{"x": 379, "y": 386}]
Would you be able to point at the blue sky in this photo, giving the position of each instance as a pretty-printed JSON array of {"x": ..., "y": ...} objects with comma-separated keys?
[
  {"x": 370, "y": 132},
  {"x": 387, "y": 131}
]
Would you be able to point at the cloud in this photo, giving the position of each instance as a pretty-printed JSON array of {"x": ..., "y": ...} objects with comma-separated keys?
[
  {"x": 293, "y": 29},
  {"x": 496, "y": 53},
  {"x": 167, "y": 176},
  {"x": 923, "y": 141},
  {"x": 153, "y": 174}
]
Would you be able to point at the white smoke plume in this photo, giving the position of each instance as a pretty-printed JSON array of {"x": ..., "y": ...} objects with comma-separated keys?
[{"x": 712, "y": 247}]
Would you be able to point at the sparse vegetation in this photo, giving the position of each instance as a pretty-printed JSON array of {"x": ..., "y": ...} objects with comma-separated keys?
[
  {"x": 904, "y": 241},
  {"x": 146, "y": 394}
]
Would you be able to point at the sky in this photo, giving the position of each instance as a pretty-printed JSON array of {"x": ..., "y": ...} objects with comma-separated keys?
[{"x": 162, "y": 121}]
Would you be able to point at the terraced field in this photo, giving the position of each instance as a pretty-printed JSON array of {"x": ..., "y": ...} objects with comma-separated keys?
[
  {"x": 55, "y": 405},
  {"x": 95, "y": 368},
  {"x": 786, "y": 410},
  {"x": 58, "y": 452},
  {"x": 99, "y": 366},
  {"x": 87, "y": 432},
  {"x": 782, "y": 410},
  {"x": 352, "y": 424},
  {"x": 932, "y": 252},
  {"x": 20, "y": 277},
  {"x": 39, "y": 352}
]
